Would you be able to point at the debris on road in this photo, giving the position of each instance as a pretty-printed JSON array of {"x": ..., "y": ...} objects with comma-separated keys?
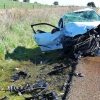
[{"x": 79, "y": 74}]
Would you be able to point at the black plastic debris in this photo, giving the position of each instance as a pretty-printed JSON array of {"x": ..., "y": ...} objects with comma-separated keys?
[
  {"x": 41, "y": 84},
  {"x": 20, "y": 74},
  {"x": 79, "y": 74},
  {"x": 15, "y": 78},
  {"x": 36, "y": 89},
  {"x": 46, "y": 96},
  {"x": 59, "y": 69},
  {"x": 50, "y": 96}
]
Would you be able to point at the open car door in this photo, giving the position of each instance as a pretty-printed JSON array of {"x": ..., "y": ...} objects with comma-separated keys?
[{"x": 47, "y": 40}]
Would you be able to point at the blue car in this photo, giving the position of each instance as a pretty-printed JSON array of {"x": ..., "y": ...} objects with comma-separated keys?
[{"x": 70, "y": 24}]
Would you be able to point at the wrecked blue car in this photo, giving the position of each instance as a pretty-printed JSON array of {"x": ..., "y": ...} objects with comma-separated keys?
[{"x": 73, "y": 28}]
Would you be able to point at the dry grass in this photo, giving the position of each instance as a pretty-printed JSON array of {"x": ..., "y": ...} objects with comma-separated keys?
[{"x": 12, "y": 15}]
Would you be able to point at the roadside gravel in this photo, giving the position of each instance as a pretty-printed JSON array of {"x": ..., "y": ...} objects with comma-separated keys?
[{"x": 87, "y": 87}]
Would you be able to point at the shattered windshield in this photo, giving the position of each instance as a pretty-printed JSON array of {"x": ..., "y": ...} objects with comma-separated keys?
[{"x": 82, "y": 16}]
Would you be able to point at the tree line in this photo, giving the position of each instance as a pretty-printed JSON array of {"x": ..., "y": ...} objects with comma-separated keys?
[{"x": 89, "y": 4}]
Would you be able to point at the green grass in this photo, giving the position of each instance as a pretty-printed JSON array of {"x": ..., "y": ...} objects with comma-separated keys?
[{"x": 7, "y": 4}]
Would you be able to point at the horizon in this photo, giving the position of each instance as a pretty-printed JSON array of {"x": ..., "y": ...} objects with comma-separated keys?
[{"x": 67, "y": 2}]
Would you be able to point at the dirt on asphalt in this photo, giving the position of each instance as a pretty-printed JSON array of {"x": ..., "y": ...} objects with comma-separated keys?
[{"x": 87, "y": 87}]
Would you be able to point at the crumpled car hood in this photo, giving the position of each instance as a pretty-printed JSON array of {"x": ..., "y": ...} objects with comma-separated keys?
[{"x": 75, "y": 28}]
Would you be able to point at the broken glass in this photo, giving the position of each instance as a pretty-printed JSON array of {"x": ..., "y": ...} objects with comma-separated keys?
[{"x": 82, "y": 16}]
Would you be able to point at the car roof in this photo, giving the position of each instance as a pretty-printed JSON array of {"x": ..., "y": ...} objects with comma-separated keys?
[{"x": 85, "y": 9}]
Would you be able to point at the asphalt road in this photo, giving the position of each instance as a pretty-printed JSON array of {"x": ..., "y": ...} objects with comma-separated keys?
[{"x": 87, "y": 87}]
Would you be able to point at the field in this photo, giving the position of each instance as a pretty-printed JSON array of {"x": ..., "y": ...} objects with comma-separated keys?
[
  {"x": 8, "y": 4},
  {"x": 18, "y": 49}
]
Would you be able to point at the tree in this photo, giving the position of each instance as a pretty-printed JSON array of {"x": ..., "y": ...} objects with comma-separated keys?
[
  {"x": 26, "y": 0},
  {"x": 56, "y": 3},
  {"x": 35, "y": 2},
  {"x": 91, "y": 4}
]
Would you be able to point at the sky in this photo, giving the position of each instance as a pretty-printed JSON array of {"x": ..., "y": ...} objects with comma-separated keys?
[{"x": 68, "y": 2}]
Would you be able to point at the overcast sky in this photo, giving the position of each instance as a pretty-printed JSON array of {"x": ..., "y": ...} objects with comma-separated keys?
[{"x": 68, "y": 2}]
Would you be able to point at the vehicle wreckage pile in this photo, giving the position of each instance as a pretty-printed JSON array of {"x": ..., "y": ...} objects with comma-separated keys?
[{"x": 87, "y": 44}]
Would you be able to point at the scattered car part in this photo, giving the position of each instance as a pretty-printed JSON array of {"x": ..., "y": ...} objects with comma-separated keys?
[
  {"x": 38, "y": 89},
  {"x": 58, "y": 69},
  {"x": 77, "y": 74},
  {"x": 22, "y": 74},
  {"x": 50, "y": 96},
  {"x": 15, "y": 77},
  {"x": 80, "y": 75},
  {"x": 19, "y": 75}
]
